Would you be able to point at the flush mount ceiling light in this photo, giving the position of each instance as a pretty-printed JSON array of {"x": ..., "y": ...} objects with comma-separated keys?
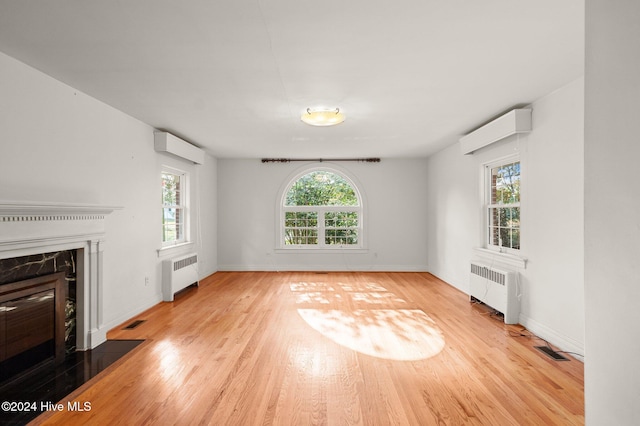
[{"x": 322, "y": 116}]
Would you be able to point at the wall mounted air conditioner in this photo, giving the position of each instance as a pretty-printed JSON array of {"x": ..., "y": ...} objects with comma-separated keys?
[
  {"x": 515, "y": 121},
  {"x": 166, "y": 142},
  {"x": 496, "y": 288}
]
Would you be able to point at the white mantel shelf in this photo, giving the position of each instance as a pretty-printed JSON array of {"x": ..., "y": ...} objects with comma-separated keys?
[
  {"x": 33, "y": 225},
  {"x": 25, "y": 208}
]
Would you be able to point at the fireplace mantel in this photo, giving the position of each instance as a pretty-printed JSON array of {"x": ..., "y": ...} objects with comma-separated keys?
[
  {"x": 24, "y": 208},
  {"x": 28, "y": 228}
]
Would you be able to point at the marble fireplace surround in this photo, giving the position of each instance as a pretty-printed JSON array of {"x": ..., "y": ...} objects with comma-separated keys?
[{"x": 28, "y": 228}]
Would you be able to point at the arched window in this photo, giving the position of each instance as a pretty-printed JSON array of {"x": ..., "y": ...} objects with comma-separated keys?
[{"x": 321, "y": 208}]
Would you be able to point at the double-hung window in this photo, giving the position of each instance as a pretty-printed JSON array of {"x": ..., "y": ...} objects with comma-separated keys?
[
  {"x": 174, "y": 207},
  {"x": 321, "y": 209},
  {"x": 503, "y": 205}
]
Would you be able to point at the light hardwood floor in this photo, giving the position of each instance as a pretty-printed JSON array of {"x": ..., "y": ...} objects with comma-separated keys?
[{"x": 293, "y": 348}]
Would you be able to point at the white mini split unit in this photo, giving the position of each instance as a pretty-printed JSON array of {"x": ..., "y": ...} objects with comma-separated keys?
[
  {"x": 166, "y": 142},
  {"x": 511, "y": 123}
]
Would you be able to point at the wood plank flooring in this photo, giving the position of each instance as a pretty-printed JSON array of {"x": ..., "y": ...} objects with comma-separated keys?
[{"x": 294, "y": 348}]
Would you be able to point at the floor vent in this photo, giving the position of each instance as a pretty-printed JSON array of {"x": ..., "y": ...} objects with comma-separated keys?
[
  {"x": 134, "y": 324},
  {"x": 551, "y": 353}
]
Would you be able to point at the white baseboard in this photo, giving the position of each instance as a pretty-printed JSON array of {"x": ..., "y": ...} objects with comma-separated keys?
[
  {"x": 565, "y": 343},
  {"x": 328, "y": 268},
  {"x": 100, "y": 335},
  {"x": 451, "y": 281},
  {"x": 208, "y": 272}
]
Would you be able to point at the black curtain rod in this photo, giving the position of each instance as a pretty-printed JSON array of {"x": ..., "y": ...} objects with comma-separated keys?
[{"x": 289, "y": 160}]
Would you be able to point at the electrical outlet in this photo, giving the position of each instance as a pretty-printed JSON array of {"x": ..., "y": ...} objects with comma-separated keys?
[{"x": 146, "y": 281}]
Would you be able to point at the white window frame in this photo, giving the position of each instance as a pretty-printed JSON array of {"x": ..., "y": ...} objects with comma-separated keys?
[
  {"x": 488, "y": 206},
  {"x": 320, "y": 211},
  {"x": 182, "y": 205}
]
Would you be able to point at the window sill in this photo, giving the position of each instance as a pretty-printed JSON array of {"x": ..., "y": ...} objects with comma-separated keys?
[
  {"x": 505, "y": 258},
  {"x": 296, "y": 249},
  {"x": 167, "y": 250}
]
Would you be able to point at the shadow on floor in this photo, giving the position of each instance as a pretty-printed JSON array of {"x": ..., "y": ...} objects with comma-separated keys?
[{"x": 26, "y": 397}]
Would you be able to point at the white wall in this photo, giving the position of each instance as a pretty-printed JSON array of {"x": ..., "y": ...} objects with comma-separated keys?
[
  {"x": 205, "y": 232},
  {"x": 552, "y": 302},
  {"x": 396, "y": 208},
  {"x": 60, "y": 145},
  {"x": 612, "y": 213}
]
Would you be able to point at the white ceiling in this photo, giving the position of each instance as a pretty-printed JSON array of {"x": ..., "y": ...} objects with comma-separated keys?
[{"x": 233, "y": 76}]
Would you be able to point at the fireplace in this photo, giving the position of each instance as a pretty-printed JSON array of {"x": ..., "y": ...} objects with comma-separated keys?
[
  {"x": 32, "y": 323},
  {"x": 28, "y": 229}
]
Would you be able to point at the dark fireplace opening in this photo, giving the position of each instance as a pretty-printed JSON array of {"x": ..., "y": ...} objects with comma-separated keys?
[{"x": 37, "y": 311}]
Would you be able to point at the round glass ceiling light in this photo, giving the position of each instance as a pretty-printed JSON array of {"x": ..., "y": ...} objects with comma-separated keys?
[{"x": 322, "y": 116}]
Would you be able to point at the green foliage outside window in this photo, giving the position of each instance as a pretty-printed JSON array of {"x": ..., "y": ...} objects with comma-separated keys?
[
  {"x": 172, "y": 210},
  {"x": 321, "y": 188},
  {"x": 504, "y": 207},
  {"x": 321, "y": 226}
]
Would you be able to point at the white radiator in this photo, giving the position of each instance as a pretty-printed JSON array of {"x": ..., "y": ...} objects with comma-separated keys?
[
  {"x": 177, "y": 274},
  {"x": 496, "y": 288}
]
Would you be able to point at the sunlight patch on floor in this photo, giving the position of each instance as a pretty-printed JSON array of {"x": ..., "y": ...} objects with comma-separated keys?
[{"x": 397, "y": 334}]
